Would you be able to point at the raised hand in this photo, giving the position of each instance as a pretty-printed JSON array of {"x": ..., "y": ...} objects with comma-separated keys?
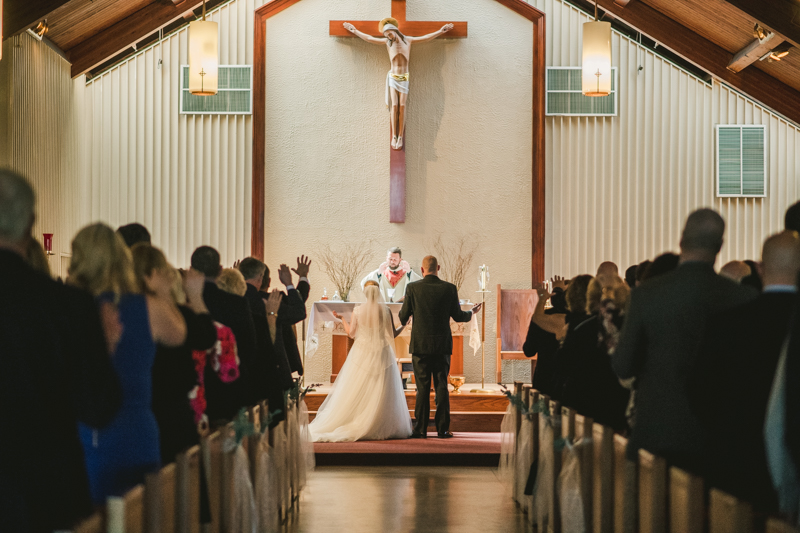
[
  {"x": 284, "y": 275},
  {"x": 541, "y": 290},
  {"x": 447, "y": 27},
  {"x": 237, "y": 263},
  {"x": 273, "y": 303},
  {"x": 558, "y": 282},
  {"x": 303, "y": 264},
  {"x": 349, "y": 27},
  {"x": 476, "y": 309}
]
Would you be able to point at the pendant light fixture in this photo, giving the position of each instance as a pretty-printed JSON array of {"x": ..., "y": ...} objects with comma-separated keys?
[
  {"x": 596, "y": 66},
  {"x": 203, "y": 56}
]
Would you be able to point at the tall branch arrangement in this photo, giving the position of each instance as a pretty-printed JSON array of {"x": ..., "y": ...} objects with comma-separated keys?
[
  {"x": 455, "y": 258},
  {"x": 344, "y": 266}
]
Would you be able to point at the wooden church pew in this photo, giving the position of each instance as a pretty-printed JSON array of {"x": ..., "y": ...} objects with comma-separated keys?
[
  {"x": 533, "y": 400},
  {"x": 728, "y": 514},
  {"x": 625, "y": 485},
  {"x": 187, "y": 491},
  {"x": 126, "y": 513},
  {"x": 583, "y": 432},
  {"x": 686, "y": 502},
  {"x": 652, "y": 493},
  {"x": 554, "y": 525},
  {"x": 603, "y": 479},
  {"x": 212, "y": 455},
  {"x": 775, "y": 525},
  {"x": 160, "y": 493}
]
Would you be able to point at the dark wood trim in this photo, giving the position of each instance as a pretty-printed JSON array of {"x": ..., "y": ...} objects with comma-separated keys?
[
  {"x": 538, "y": 177},
  {"x": 119, "y": 36},
  {"x": 19, "y": 15},
  {"x": 708, "y": 56},
  {"x": 780, "y": 16},
  {"x": 257, "y": 199}
]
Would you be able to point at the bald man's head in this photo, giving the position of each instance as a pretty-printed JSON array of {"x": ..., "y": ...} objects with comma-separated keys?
[
  {"x": 430, "y": 265},
  {"x": 606, "y": 272},
  {"x": 735, "y": 270},
  {"x": 701, "y": 239},
  {"x": 780, "y": 258}
]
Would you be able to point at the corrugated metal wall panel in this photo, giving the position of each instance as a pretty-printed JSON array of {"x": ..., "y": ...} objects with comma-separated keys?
[
  {"x": 619, "y": 188},
  {"x": 186, "y": 177}
]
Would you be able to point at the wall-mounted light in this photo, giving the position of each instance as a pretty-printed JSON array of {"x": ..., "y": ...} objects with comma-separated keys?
[
  {"x": 777, "y": 53},
  {"x": 39, "y": 31},
  {"x": 596, "y": 66},
  {"x": 203, "y": 56},
  {"x": 759, "y": 32},
  {"x": 47, "y": 243}
]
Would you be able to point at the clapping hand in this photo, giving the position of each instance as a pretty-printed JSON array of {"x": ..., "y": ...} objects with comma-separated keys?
[
  {"x": 558, "y": 282},
  {"x": 303, "y": 264}
]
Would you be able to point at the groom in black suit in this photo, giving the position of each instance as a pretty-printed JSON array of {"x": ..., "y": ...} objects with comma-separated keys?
[{"x": 432, "y": 302}]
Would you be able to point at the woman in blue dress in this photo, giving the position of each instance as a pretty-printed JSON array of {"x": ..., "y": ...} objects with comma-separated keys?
[{"x": 119, "y": 455}]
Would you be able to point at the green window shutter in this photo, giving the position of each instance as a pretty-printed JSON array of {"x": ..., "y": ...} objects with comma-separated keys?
[
  {"x": 564, "y": 96},
  {"x": 741, "y": 160},
  {"x": 234, "y": 96}
]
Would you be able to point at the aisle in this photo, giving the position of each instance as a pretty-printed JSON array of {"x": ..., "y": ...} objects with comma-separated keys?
[{"x": 406, "y": 499}]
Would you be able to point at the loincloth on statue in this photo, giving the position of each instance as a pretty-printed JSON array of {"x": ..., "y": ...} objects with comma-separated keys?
[{"x": 398, "y": 82}]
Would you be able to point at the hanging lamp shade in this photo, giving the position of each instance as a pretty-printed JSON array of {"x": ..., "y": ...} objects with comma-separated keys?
[
  {"x": 596, "y": 68},
  {"x": 203, "y": 57}
]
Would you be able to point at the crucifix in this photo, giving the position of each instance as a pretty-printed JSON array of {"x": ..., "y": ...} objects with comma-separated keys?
[{"x": 395, "y": 32}]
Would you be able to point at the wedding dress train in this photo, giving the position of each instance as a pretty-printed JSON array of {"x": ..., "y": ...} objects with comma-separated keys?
[{"x": 367, "y": 401}]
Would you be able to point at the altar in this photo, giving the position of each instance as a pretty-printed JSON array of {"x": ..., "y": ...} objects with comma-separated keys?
[{"x": 322, "y": 322}]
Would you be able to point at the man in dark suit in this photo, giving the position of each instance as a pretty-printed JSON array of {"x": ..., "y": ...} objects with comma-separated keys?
[
  {"x": 432, "y": 302},
  {"x": 661, "y": 336},
  {"x": 274, "y": 373},
  {"x": 56, "y": 372},
  {"x": 293, "y": 307},
  {"x": 735, "y": 369},
  {"x": 225, "y": 399}
]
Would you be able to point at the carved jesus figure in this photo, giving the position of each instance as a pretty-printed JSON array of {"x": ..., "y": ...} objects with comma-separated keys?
[{"x": 399, "y": 47}]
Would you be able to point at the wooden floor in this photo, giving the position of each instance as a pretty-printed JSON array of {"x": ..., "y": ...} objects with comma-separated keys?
[{"x": 406, "y": 499}]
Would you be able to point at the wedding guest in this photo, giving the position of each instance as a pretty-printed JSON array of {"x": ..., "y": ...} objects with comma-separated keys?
[
  {"x": 119, "y": 455},
  {"x": 660, "y": 339},
  {"x": 607, "y": 271},
  {"x": 225, "y": 399},
  {"x": 791, "y": 219},
  {"x": 662, "y": 264},
  {"x": 293, "y": 308},
  {"x": 542, "y": 343},
  {"x": 590, "y": 384},
  {"x": 133, "y": 234},
  {"x": 174, "y": 375},
  {"x": 735, "y": 271},
  {"x": 231, "y": 280},
  {"x": 55, "y": 361}
]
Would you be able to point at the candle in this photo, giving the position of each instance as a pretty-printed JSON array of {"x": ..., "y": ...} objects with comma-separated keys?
[{"x": 484, "y": 277}]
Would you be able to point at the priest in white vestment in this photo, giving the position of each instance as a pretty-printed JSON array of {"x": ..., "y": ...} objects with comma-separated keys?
[{"x": 392, "y": 276}]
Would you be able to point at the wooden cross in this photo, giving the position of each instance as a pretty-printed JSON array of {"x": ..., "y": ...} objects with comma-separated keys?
[{"x": 397, "y": 161}]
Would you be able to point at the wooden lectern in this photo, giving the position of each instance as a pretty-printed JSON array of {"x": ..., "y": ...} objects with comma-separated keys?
[{"x": 514, "y": 310}]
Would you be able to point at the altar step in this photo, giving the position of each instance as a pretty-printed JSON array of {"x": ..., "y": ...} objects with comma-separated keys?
[{"x": 469, "y": 412}]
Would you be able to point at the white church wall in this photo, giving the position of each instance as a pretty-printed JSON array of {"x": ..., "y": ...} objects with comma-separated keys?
[
  {"x": 37, "y": 136},
  {"x": 186, "y": 177},
  {"x": 617, "y": 188}
]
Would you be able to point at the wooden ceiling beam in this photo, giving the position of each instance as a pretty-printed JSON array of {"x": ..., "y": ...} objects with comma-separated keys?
[
  {"x": 779, "y": 16},
  {"x": 19, "y": 15},
  {"x": 708, "y": 56},
  {"x": 753, "y": 52},
  {"x": 116, "y": 38}
]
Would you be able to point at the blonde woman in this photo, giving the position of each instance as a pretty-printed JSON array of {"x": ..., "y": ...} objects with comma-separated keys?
[
  {"x": 367, "y": 401},
  {"x": 119, "y": 455}
]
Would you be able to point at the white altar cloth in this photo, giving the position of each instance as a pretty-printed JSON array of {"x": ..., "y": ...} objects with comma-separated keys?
[{"x": 321, "y": 319}]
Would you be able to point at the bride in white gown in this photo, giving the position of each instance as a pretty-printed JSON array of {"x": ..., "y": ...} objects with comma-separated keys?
[{"x": 367, "y": 401}]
